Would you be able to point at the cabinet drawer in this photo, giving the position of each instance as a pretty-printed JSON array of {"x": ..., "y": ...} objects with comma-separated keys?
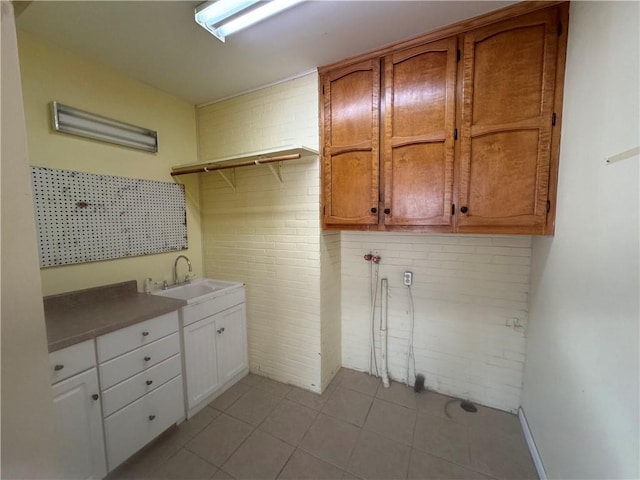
[
  {"x": 125, "y": 366},
  {"x": 130, "y": 429},
  {"x": 68, "y": 361},
  {"x": 122, "y": 394},
  {"x": 129, "y": 338},
  {"x": 195, "y": 312}
]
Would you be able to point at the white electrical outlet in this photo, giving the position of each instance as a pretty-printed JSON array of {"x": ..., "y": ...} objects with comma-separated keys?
[{"x": 407, "y": 279}]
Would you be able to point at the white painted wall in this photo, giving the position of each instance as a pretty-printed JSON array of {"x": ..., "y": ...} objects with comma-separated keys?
[
  {"x": 581, "y": 375},
  {"x": 331, "y": 325},
  {"x": 268, "y": 235},
  {"x": 28, "y": 448},
  {"x": 470, "y": 302}
]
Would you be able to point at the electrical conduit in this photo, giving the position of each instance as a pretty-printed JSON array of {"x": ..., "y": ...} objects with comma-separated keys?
[{"x": 384, "y": 302}]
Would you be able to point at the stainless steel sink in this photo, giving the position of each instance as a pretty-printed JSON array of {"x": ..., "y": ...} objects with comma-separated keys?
[{"x": 198, "y": 290}]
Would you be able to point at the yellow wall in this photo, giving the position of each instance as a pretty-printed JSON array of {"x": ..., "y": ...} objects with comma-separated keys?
[{"x": 49, "y": 73}]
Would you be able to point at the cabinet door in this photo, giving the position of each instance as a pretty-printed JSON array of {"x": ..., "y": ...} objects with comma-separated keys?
[
  {"x": 508, "y": 76},
  {"x": 78, "y": 427},
  {"x": 350, "y": 131},
  {"x": 200, "y": 360},
  {"x": 232, "y": 342},
  {"x": 419, "y": 124}
]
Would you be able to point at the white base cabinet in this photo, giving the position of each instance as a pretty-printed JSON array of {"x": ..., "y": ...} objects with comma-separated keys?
[
  {"x": 140, "y": 394},
  {"x": 215, "y": 347},
  {"x": 77, "y": 416},
  {"x": 134, "y": 426},
  {"x": 142, "y": 385}
]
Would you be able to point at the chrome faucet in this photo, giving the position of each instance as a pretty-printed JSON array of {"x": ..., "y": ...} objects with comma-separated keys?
[{"x": 175, "y": 270}]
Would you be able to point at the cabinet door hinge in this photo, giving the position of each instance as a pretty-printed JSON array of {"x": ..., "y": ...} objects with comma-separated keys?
[
  {"x": 455, "y": 133},
  {"x": 548, "y": 206},
  {"x": 553, "y": 119},
  {"x": 458, "y": 55},
  {"x": 453, "y": 208}
]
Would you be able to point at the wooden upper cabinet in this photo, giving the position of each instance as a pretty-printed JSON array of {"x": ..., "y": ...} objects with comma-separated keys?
[
  {"x": 350, "y": 141},
  {"x": 418, "y": 142},
  {"x": 508, "y": 87},
  {"x": 457, "y": 130}
]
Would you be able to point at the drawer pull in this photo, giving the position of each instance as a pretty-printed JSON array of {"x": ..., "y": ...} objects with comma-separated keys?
[
  {"x": 145, "y": 334},
  {"x": 57, "y": 368},
  {"x": 151, "y": 417},
  {"x": 95, "y": 396},
  {"x": 149, "y": 382},
  {"x": 146, "y": 359},
  {"x": 221, "y": 330}
]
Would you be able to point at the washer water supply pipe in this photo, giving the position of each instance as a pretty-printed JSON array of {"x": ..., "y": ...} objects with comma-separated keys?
[
  {"x": 384, "y": 310},
  {"x": 419, "y": 379}
]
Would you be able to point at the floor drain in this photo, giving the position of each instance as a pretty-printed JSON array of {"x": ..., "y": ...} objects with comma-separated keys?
[{"x": 468, "y": 406}]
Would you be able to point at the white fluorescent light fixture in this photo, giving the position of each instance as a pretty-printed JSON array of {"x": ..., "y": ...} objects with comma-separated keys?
[
  {"x": 72, "y": 120},
  {"x": 213, "y": 16}
]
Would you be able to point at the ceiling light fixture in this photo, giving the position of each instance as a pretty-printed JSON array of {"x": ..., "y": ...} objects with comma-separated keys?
[
  {"x": 211, "y": 15},
  {"x": 72, "y": 120}
]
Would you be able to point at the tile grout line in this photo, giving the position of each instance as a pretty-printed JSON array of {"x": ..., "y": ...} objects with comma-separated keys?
[
  {"x": 360, "y": 431},
  {"x": 284, "y": 465}
]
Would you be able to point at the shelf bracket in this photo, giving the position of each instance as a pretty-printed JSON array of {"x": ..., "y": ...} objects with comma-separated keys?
[
  {"x": 230, "y": 181},
  {"x": 275, "y": 170}
]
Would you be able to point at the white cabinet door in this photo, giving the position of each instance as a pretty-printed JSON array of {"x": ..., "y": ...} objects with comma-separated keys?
[
  {"x": 232, "y": 342},
  {"x": 78, "y": 423},
  {"x": 200, "y": 360}
]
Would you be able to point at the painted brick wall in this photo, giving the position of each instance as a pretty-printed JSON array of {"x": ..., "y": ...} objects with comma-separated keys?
[
  {"x": 470, "y": 292},
  {"x": 331, "y": 326},
  {"x": 470, "y": 298},
  {"x": 267, "y": 234},
  {"x": 283, "y": 114}
]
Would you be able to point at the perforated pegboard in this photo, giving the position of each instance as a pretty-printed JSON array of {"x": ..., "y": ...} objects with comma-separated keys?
[{"x": 83, "y": 217}]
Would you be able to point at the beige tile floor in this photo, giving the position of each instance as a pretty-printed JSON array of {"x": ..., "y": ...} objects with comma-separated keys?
[{"x": 262, "y": 429}]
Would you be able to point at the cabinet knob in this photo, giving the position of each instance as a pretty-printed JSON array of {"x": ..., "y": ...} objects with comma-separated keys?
[
  {"x": 149, "y": 382},
  {"x": 95, "y": 396},
  {"x": 151, "y": 417},
  {"x": 146, "y": 359},
  {"x": 145, "y": 334},
  {"x": 374, "y": 210},
  {"x": 387, "y": 211},
  {"x": 57, "y": 368},
  {"x": 464, "y": 209}
]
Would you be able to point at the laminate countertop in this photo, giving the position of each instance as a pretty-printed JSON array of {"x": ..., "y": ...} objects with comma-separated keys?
[{"x": 77, "y": 316}]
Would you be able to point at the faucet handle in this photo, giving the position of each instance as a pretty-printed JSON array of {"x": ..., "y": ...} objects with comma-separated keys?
[{"x": 164, "y": 284}]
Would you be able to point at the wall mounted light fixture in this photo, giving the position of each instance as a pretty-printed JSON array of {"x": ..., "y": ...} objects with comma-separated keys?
[
  {"x": 224, "y": 17},
  {"x": 72, "y": 120}
]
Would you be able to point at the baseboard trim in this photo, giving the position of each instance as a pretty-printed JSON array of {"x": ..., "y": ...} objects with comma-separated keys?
[{"x": 533, "y": 450}]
